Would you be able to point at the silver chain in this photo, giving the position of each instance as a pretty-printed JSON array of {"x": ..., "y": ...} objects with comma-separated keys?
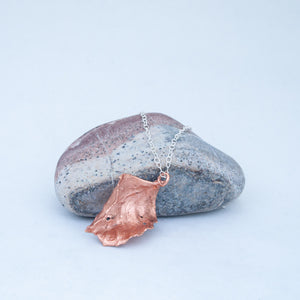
[{"x": 171, "y": 147}]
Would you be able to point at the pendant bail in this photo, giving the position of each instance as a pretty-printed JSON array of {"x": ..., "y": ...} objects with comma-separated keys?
[{"x": 163, "y": 178}]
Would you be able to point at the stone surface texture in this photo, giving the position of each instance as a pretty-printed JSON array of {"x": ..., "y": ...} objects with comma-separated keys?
[{"x": 202, "y": 178}]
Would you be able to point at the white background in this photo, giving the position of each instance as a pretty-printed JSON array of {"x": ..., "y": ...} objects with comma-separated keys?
[{"x": 229, "y": 69}]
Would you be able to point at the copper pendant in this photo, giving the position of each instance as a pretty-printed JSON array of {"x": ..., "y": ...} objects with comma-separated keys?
[{"x": 129, "y": 211}]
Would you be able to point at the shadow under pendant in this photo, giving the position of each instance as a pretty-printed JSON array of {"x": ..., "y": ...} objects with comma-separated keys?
[{"x": 129, "y": 211}]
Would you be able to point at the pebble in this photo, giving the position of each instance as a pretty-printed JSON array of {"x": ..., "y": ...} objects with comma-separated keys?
[{"x": 202, "y": 178}]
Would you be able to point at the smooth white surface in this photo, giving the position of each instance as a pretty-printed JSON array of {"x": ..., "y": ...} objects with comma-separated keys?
[{"x": 229, "y": 69}]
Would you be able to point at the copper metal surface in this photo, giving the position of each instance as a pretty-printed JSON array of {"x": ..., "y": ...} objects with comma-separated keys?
[{"x": 129, "y": 211}]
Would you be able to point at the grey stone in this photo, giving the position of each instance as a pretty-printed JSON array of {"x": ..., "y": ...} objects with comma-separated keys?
[{"x": 202, "y": 178}]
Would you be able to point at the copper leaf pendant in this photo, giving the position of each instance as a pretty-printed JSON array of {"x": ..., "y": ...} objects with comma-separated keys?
[{"x": 129, "y": 211}]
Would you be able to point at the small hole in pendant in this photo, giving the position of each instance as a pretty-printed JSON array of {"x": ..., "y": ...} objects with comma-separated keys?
[
  {"x": 141, "y": 216},
  {"x": 108, "y": 218}
]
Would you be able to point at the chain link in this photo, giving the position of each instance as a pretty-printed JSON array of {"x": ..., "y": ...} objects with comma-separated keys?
[{"x": 171, "y": 147}]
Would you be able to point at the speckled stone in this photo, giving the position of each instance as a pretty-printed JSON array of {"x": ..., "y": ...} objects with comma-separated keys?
[{"x": 202, "y": 178}]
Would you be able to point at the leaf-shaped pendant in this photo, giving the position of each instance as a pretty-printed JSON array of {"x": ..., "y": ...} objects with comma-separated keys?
[{"x": 129, "y": 211}]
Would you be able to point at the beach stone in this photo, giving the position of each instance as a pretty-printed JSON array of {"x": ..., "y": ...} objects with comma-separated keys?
[{"x": 202, "y": 178}]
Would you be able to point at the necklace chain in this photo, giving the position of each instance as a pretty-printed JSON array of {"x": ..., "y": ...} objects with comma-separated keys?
[{"x": 171, "y": 147}]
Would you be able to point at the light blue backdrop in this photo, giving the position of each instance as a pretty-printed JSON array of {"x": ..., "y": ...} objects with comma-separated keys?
[{"x": 229, "y": 69}]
